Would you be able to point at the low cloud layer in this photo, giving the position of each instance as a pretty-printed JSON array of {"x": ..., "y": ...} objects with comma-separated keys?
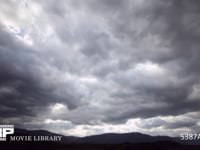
[{"x": 88, "y": 67}]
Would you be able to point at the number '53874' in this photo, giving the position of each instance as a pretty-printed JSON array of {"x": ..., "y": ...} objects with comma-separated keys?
[{"x": 190, "y": 136}]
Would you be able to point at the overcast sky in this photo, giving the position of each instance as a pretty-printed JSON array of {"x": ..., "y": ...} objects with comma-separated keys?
[{"x": 83, "y": 67}]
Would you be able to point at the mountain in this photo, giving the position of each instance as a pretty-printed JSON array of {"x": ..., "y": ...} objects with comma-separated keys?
[
  {"x": 108, "y": 138},
  {"x": 114, "y": 138}
]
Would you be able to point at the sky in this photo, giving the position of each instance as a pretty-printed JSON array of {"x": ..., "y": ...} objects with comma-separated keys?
[{"x": 89, "y": 67}]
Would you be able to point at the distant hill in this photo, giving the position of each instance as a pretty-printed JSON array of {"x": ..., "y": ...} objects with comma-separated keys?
[
  {"x": 114, "y": 138},
  {"x": 108, "y": 138}
]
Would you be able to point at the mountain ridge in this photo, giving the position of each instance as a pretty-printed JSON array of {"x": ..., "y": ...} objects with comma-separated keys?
[{"x": 106, "y": 138}]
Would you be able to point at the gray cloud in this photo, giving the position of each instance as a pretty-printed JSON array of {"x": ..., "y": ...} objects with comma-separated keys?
[
  {"x": 181, "y": 124},
  {"x": 24, "y": 88}
]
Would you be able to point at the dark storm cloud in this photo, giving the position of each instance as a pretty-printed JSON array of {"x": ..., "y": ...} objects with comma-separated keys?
[
  {"x": 176, "y": 24},
  {"x": 124, "y": 59},
  {"x": 23, "y": 90}
]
